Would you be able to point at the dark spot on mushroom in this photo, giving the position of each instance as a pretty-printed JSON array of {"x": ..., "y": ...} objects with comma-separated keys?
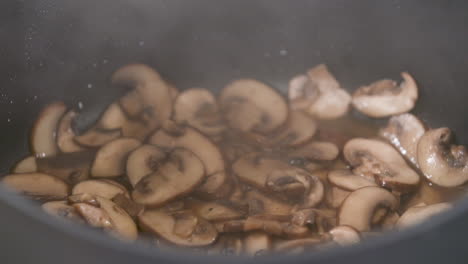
[
  {"x": 255, "y": 206},
  {"x": 143, "y": 186},
  {"x": 74, "y": 176}
]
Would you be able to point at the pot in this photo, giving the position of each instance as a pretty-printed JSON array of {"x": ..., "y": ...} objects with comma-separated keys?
[{"x": 66, "y": 50}]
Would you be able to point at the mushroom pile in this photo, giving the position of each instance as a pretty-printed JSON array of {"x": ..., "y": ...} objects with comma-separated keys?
[{"x": 246, "y": 171}]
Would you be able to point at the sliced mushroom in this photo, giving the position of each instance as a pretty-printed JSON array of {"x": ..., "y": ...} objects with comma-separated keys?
[
  {"x": 198, "y": 108},
  {"x": 429, "y": 193},
  {"x": 358, "y": 208},
  {"x": 296, "y": 245},
  {"x": 179, "y": 175},
  {"x": 260, "y": 203},
  {"x": 345, "y": 235},
  {"x": 418, "y": 214},
  {"x": 62, "y": 209},
  {"x": 44, "y": 131},
  {"x": 174, "y": 136},
  {"x": 182, "y": 228},
  {"x": 441, "y": 162},
  {"x": 114, "y": 118},
  {"x": 347, "y": 180},
  {"x": 378, "y": 160},
  {"x": 403, "y": 132},
  {"x": 257, "y": 244},
  {"x": 152, "y": 89},
  {"x": 227, "y": 245},
  {"x": 84, "y": 198},
  {"x": 216, "y": 211},
  {"x": 385, "y": 98},
  {"x": 94, "y": 216},
  {"x": 125, "y": 202},
  {"x": 325, "y": 220},
  {"x": 251, "y": 106},
  {"x": 303, "y": 217},
  {"x": 37, "y": 185},
  {"x": 319, "y": 94},
  {"x": 26, "y": 165},
  {"x": 315, "y": 151},
  {"x": 143, "y": 161},
  {"x": 335, "y": 196},
  {"x": 71, "y": 167},
  {"x": 270, "y": 224},
  {"x": 299, "y": 129},
  {"x": 96, "y": 137},
  {"x": 131, "y": 104},
  {"x": 105, "y": 188},
  {"x": 66, "y": 134},
  {"x": 110, "y": 158},
  {"x": 389, "y": 221}
]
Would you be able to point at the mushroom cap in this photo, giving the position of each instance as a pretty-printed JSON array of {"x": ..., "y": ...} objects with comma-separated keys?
[
  {"x": 297, "y": 245},
  {"x": 316, "y": 151},
  {"x": 249, "y": 105},
  {"x": 114, "y": 118},
  {"x": 418, "y": 214},
  {"x": 385, "y": 98},
  {"x": 379, "y": 160},
  {"x": 65, "y": 133},
  {"x": 26, "y": 165},
  {"x": 105, "y": 188},
  {"x": 215, "y": 211},
  {"x": 37, "y": 185},
  {"x": 345, "y": 235},
  {"x": 61, "y": 209},
  {"x": 227, "y": 245},
  {"x": 96, "y": 137},
  {"x": 198, "y": 108},
  {"x": 335, "y": 196},
  {"x": 299, "y": 129},
  {"x": 358, "y": 208},
  {"x": 260, "y": 203},
  {"x": 257, "y": 244},
  {"x": 143, "y": 161},
  {"x": 110, "y": 158},
  {"x": 440, "y": 162},
  {"x": 347, "y": 180},
  {"x": 403, "y": 132},
  {"x": 123, "y": 224},
  {"x": 71, "y": 167}
]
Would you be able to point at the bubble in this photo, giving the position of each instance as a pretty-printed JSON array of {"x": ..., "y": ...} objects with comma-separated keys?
[
  {"x": 283, "y": 52},
  {"x": 80, "y": 105},
  {"x": 90, "y": 85}
]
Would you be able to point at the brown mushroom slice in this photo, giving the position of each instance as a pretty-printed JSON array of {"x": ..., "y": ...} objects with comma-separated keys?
[
  {"x": 96, "y": 137},
  {"x": 94, "y": 216},
  {"x": 403, "y": 132},
  {"x": 325, "y": 220},
  {"x": 358, "y": 208},
  {"x": 114, "y": 118},
  {"x": 251, "y": 106},
  {"x": 44, "y": 130},
  {"x": 418, "y": 214},
  {"x": 345, "y": 235},
  {"x": 198, "y": 108},
  {"x": 216, "y": 211},
  {"x": 179, "y": 175},
  {"x": 174, "y": 136},
  {"x": 110, "y": 158},
  {"x": 125, "y": 202},
  {"x": 227, "y": 245},
  {"x": 385, "y": 97},
  {"x": 71, "y": 167},
  {"x": 297, "y": 245},
  {"x": 440, "y": 161},
  {"x": 66, "y": 135},
  {"x": 260, "y": 203},
  {"x": 105, "y": 188},
  {"x": 315, "y": 151},
  {"x": 143, "y": 161},
  {"x": 62, "y": 209},
  {"x": 257, "y": 244},
  {"x": 131, "y": 104},
  {"x": 379, "y": 160},
  {"x": 37, "y": 185},
  {"x": 152, "y": 89},
  {"x": 123, "y": 224},
  {"x": 26, "y": 165},
  {"x": 300, "y": 128},
  {"x": 389, "y": 221},
  {"x": 335, "y": 196},
  {"x": 347, "y": 180},
  {"x": 303, "y": 217},
  {"x": 180, "y": 228}
]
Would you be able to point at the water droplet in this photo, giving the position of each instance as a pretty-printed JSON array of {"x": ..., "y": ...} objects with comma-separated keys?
[
  {"x": 90, "y": 85},
  {"x": 105, "y": 61},
  {"x": 11, "y": 101},
  {"x": 283, "y": 52},
  {"x": 35, "y": 97},
  {"x": 141, "y": 43},
  {"x": 80, "y": 105},
  {"x": 8, "y": 120}
]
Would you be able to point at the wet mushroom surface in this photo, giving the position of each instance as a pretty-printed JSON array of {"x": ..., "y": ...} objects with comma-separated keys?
[{"x": 246, "y": 170}]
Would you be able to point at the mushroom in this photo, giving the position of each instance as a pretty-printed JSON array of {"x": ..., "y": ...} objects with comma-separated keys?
[
  {"x": 403, "y": 132},
  {"x": 260, "y": 203},
  {"x": 296, "y": 245},
  {"x": 378, "y": 160},
  {"x": 299, "y": 129},
  {"x": 96, "y": 137},
  {"x": 66, "y": 134},
  {"x": 385, "y": 98},
  {"x": 325, "y": 220},
  {"x": 110, "y": 158},
  {"x": 389, "y": 220},
  {"x": 441, "y": 162},
  {"x": 314, "y": 151},
  {"x": 62, "y": 209},
  {"x": 198, "y": 108},
  {"x": 418, "y": 214},
  {"x": 152, "y": 90},
  {"x": 37, "y": 185},
  {"x": 358, "y": 208},
  {"x": 227, "y": 245},
  {"x": 335, "y": 196},
  {"x": 179, "y": 175},
  {"x": 105, "y": 188},
  {"x": 182, "y": 228},
  {"x": 114, "y": 118},
  {"x": 303, "y": 217},
  {"x": 174, "y": 136},
  {"x": 344, "y": 235},
  {"x": 429, "y": 193},
  {"x": 251, "y": 106},
  {"x": 319, "y": 94},
  {"x": 257, "y": 244},
  {"x": 26, "y": 165},
  {"x": 143, "y": 161},
  {"x": 216, "y": 211},
  {"x": 131, "y": 104},
  {"x": 71, "y": 167},
  {"x": 44, "y": 130},
  {"x": 346, "y": 179},
  {"x": 125, "y": 202}
]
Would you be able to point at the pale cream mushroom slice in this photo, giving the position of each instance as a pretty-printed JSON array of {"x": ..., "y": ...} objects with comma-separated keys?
[
  {"x": 26, "y": 165},
  {"x": 251, "y": 106},
  {"x": 299, "y": 129},
  {"x": 418, "y": 214},
  {"x": 442, "y": 162},
  {"x": 178, "y": 176},
  {"x": 359, "y": 207},
  {"x": 96, "y": 137},
  {"x": 62, "y": 209},
  {"x": 174, "y": 136},
  {"x": 143, "y": 161},
  {"x": 319, "y": 94},
  {"x": 152, "y": 90},
  {"x": 379, "y": 160},
  {"x": 257, "y": 244},
  {"x": 313, "y": 151},
  {"x": 114, "y": 118},
  {"x": 105, "y": 188},
  {"x": 221, "y": 210},
  {"x": 181, "y": 228},
  {"x": 131, "y": 104},
  {"x": 71, "y": 167},
  {"x": 111, "y": 158},
  {"x": 335, "y": 196},
  {"x": 66, "y": 134},
  {"x": 403, "y": 132},
  {"x": 198, "y": 108},
  {"x": 347, "y": 180},
  {"x": 38, "y": 186},
  {"x": 385, "y": 97},
  {"x": 43, "y": 134},
  {"x": 344, "y": 235}
]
